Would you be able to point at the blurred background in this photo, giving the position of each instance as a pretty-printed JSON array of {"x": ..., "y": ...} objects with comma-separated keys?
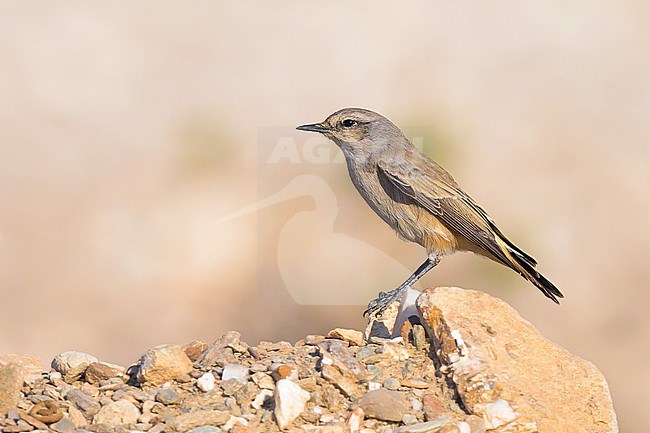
[{"x": 153, "y": 189}]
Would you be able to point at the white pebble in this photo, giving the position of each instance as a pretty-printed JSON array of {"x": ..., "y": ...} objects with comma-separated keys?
[
  {"x": 206, "y": 382},
  {"x": 235, "y": 371},
  {"x": 290, "y": 401}
]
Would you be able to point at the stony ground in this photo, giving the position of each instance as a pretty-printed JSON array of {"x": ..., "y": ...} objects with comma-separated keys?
[
  {"x": 337, "y": 383},
  {"x": 463, "y": 362}
]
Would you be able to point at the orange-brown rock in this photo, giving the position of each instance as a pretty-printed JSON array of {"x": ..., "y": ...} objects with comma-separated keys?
[{"x": 506, "y": 372}]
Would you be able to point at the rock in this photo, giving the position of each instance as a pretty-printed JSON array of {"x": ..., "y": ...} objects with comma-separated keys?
[
  {"x": 117, "y": 413},
  {"x": 98, "y": 371},
  {"x": 64, "y": 425},
  {"x": 476, "y": 424},
  {"x": 162, "y": 364},
  {"x": 205, "y": 429},
  {"x": 77, "y": 417},
  {"x": 345, "y": 383},
  {"x": 84, "y": 402},
  {"x": 187, "y": 421},
  {"x": 354, "y": 421},
  {"x": 194, "y": 349},
  {"x": 263, "y": 380},
  {"x": 391, "y": 383},
  {"x": 432, "y": 407},
  {"x": 11, "y": 382},
  {"x": 384, "y": 405},
  {"x": 509, "y": 374},
  {"x": 283, "y": 371},
  {"x": 290, "y": 402},
  {"x": 206, "y": 382},
  {"x": 72, "y": 365},
  {"x": 168, "y": 397},
  {"x": 424, "y": 427},
  {"x": 334, "y": 353},
  {"x": 415, "y": 383},
  {"x": 352, "y": 336},
  {"x": 33, "y": 421},
  {"x": 235, "y": 371},
  {"x": 221, "y": 352},
  {"x": 32, "y": 370}
]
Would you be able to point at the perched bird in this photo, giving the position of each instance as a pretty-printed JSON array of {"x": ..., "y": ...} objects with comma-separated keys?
[{"x": 418, "y": 199}]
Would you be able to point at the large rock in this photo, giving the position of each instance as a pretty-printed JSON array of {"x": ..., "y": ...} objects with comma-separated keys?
[
  {"x": 508, "y": 373},
  {"x": 72, "y": 365},
  {"x": 11, "y": 381},
  {"x": 32, "y": 369},
  {"x": 163, "y": 363},
  {"x": 118, "y": 413}
]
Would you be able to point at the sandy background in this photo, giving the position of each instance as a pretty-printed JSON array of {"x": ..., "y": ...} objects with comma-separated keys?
[{"x": 129, "y": 131}]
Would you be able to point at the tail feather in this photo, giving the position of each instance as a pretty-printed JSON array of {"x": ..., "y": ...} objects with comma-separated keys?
[{"x": 526, "y": 269}]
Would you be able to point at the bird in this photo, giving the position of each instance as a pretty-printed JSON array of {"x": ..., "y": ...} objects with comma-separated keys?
[{"x": 419, "y": 199}]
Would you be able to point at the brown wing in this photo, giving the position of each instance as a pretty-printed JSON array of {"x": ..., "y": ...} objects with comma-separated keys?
[{"x": 449, "y": 204}]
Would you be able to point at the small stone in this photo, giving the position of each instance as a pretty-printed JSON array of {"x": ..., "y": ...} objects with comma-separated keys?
[
  {"x": 283, "y": 371},
  {"x": 72, "y": 365},
  {"x": 206, "y": 382},
  {"x": 98, "y": 371},
  {"x": 290, "y": 402},
  {"x": 194, "y": 349},
  {"x": 419, "y": 337},
  {"x": 409, "y": 418},
  {"x": 350, "y": 335},
  {"x": 354, "y": 420},
  {"x": 384, "y": 405},
  {"x": 475, "y": 423},
  {"x": 415, "y": 383},
  {"x": 32, "y": 370},
  {"x": 432, "y": 407},
  {"x": 11, "y": 382},
  {"x": 344, "y": 383},
  {"x": 117, "y": 413},
  {"x": 365, "y": 352},
  {"x": 205, "y": 429},
  {"x": 221, "y": 352},
  {"x": 391, "y": 383},
  {"x": 168, "y": 397},
  {"x": 64, "y": 425},
  {"x": 84, "y": 402},
  {"x": 263, "y": 380},
  {"x": 235, "y": 371},
  {"x": 424, "y": 427},
  {"x": 183, "y": 378},
  {"x": 450, "y": 428},
  {"x": 498, "y": 413},
  {"x": 261, "y": 398},
  {"x": 33, "y": 421},
  {"x": 76, "y": 417},
  {"x": 234, "y": 421},
  {"x": 191, "y": 420},
  {"x": 162, "y": 364}
]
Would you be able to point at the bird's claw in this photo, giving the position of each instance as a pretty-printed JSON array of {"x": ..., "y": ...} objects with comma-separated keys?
[{"x": 383, "y": 300}]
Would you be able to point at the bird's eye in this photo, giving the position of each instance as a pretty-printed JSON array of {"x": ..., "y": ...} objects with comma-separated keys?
[{"x": 349, "y": 123}]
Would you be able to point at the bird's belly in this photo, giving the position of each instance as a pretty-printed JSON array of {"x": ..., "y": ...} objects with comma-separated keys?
[{"x": 415, "y": 224}]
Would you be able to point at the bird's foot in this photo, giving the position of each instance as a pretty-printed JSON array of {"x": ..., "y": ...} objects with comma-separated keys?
[{"x": 378, "y": 305}]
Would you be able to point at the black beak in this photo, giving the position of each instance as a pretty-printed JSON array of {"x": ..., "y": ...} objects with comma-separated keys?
[{"x": 314, "y": 127}]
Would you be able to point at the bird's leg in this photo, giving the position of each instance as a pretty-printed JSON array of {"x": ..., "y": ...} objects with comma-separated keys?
[{"x": 386, "y": 298}]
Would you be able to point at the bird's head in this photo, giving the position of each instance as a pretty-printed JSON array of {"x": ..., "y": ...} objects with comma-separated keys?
[{"x": 357, "y": 131}]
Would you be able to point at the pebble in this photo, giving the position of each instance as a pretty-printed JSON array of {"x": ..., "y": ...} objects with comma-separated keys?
[
  {"x": 206, "y": 382},
  {"x": 194, "y": 349},
  {"x": 352, "y": 336},
  {"x": 72, "y": 365},
  {"x": 11, "y": 382},
  {"x": 84, "y": 402},
  {"x": 168, "y": 397},
  {"x": 432, "y": 407},
  {"x": 162, "y": 364},
  {"x": 290, "y": 402},
  {"x": 64, "y": 425},
  {"x": 187, "y": 421},
  {"x": 391, "y": 383},
  {"x": 117, "y": 413},
  {"x": 205, "y": 429},
  {"x": 235, "y": 371},
  {"x": 98, "y": 371},
  {"x": 384, "y": 405}
]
